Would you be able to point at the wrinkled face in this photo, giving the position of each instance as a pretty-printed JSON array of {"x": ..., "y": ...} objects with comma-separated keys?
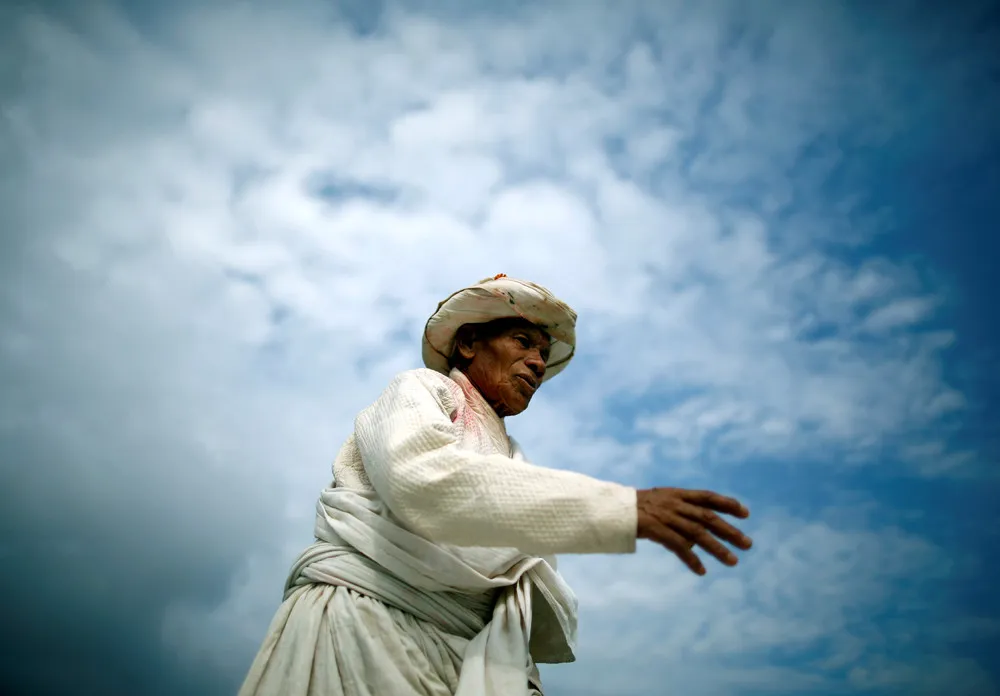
[{"x": 505, "y": 361}]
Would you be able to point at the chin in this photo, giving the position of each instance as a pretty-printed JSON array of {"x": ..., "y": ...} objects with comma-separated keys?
[
  {"x": 519, "y": 407},
  {"x": 515, "y": 402}
]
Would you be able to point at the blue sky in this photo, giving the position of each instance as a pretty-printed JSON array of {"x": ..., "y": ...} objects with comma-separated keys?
[{"x": 225, "y": 223}]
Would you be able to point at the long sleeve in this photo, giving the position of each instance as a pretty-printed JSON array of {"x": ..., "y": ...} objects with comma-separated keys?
[{"x": 411, "y": 453}]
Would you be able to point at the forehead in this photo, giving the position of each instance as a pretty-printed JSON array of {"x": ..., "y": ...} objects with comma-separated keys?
[{"x": 515, "y": 326}]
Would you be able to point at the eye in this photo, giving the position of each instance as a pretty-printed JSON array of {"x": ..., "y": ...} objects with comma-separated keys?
[{"x": 523, "y": 340}]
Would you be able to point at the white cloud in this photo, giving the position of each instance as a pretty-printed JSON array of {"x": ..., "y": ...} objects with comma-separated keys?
[
  {"x": 228, "y": 244},
  {"x": 812, "y": 595},
  {"x": 900, "y": 313}
]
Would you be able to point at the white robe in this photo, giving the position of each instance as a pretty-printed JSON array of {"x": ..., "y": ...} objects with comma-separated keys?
[{"x": 422, "y": 580}]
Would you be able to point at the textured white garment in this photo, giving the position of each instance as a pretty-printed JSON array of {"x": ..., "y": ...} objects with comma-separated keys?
[
  {"x": 392, "y": 599},
  {"x": 446, "y": 489}
]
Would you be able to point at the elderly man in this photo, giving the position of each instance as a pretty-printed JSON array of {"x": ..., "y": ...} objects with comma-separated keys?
[{"x": 431, "y": 574}]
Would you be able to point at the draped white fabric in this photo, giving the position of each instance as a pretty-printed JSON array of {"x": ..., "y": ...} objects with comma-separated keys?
[{"x": 374, "y": 608}]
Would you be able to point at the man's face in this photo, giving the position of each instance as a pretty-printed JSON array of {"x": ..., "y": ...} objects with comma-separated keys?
[{"x": 507, "y": 365}]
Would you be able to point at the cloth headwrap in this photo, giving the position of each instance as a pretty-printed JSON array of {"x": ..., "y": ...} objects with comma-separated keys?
[{"x": 494, "y": 298}]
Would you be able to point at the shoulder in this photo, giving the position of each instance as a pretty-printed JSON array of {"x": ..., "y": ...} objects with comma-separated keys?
[
  {"x": 416, "y": 385},
  {"x": 423, "y": 378},
  {"x": 415, "y": 402}
]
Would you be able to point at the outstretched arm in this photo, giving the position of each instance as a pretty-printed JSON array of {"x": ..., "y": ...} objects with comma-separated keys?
[{"x": 410, "y": 449}]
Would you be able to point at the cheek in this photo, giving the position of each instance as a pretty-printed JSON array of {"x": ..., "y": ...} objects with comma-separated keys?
[
  {"x": 494, "y": 381},
  {"x": 508, "y": 391},
  {"x": 505, "y": 390}
]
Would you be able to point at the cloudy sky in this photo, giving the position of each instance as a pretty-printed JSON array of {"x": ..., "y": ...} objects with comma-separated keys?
[{"x": 223, "y": 225}]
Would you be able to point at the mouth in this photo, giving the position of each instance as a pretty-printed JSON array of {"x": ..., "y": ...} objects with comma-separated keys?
[{"x": 532, "y": 384}]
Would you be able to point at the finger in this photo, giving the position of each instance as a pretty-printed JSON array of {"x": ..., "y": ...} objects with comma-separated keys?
[
  {"x": 703, "y": 538},
  {"x": 717, "y": 502},
  {"x": 674, "y": 542},
  {"x": 715, "y": 524}
]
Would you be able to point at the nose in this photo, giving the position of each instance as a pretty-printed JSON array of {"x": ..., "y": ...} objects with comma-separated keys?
[{"x": 536, "y": 364}]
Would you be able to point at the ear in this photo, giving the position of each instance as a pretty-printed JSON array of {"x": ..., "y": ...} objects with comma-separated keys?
[{"x": 465, "y": 340}]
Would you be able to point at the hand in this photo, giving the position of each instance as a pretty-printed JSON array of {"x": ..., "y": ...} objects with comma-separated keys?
[{"x": 678, "y": 519}]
